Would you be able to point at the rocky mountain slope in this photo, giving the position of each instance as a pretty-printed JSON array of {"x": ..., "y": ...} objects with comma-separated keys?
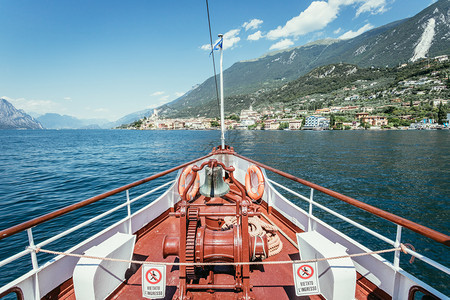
[
  {"x": 12, "y": 118},
  {"x": 425, "y": 35}
]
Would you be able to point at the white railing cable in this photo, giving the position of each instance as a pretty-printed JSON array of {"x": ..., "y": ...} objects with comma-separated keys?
[
  {"x": 29, "y": 249},
  {"x": 14, "y": 257},
  {"x": 62, "y": 234},
  {"x": 362, "y": 227},
  {"x": 289, "y": 190},
  {"x": 379, "y": 236},
  {"x": 429, "y": 261},
  {"x": 350, "y": 221}
]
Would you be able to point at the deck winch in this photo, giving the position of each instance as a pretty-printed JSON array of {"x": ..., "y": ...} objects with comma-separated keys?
[
  {"x": 203, "y": 238},
  {"x": 207, "y": 244}
]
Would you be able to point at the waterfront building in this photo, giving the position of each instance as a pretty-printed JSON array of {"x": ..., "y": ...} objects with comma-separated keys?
[
  {"x": 271, "y": 124},
  {"x": 295, "y": 124},
  {"x": 248, "y": 117},
  {"x": 178, "y": 124},
  {"x": 375, "y": 120},
  {"x": 316, "y": 122}
]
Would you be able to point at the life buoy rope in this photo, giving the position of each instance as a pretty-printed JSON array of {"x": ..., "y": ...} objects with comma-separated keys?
[
  {"x": 183, "y": 182},
  {"x": 255, "y": 195}
]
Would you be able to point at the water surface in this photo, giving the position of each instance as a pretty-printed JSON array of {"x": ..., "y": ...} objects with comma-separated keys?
[{"x": 403, "y": 172}]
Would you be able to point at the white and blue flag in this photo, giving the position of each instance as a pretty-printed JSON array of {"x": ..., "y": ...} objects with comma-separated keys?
[{"x": 219, "y": 44}]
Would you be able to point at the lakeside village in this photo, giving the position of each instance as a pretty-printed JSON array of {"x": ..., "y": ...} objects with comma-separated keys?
[
  {"x": 416, "y": 104},
  {"x": 322, "y": 119}
]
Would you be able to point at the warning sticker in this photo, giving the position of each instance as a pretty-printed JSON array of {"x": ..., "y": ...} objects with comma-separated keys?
[
  {"x": 153, "y": 281},
  {"x": 306, "y": 279}
]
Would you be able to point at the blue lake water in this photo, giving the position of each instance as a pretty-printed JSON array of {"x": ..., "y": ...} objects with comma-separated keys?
[{"x": 403, "y": 172}]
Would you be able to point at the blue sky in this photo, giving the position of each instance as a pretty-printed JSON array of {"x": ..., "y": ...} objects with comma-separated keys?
[{"x": 105, "y": 59}]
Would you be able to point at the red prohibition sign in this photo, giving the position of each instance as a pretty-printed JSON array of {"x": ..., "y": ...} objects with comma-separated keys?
[
  {"x": 305, "y": 271},
  {"x": 153, "y": 276}
]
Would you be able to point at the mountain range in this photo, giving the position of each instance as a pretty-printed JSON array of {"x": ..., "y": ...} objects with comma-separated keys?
[
  {"x": 424, "y": 35},
  {"x": 427, "y": 34},
  {"x": 57, "y": 121},
  {"x": 12, "y": 118}
]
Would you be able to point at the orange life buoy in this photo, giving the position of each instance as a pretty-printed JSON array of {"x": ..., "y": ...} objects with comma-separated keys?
[
  {"x": 255, "y": 192},
  {"x": 185, "y": 179}
]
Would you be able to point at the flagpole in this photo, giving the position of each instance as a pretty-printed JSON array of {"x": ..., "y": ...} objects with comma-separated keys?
[{"x": 222, "y": 111}]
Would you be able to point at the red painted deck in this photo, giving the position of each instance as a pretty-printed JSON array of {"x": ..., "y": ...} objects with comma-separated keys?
[{"x": 268, "y": 281}]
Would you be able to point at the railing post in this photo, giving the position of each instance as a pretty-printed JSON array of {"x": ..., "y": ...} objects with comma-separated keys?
[
  {"x": 398, "y": 240},
  {"x": 34, "y": 262},
  {"x": 311, "y": 196},
  {"x": 396, "y": 284},
  {"x": 129, "y": 211}
]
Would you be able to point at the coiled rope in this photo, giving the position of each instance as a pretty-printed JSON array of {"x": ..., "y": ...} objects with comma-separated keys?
[{"x": 257, "y": 227}]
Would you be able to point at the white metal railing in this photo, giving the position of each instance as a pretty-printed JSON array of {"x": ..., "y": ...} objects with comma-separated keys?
[
  {"x": 396, "y": 243},
  {"x": 32, "y": 246}
]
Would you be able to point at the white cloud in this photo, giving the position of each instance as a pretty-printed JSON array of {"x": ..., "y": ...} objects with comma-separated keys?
[
  {"x": 36, "y": 106},
  {"x": 315, "y": 17},
  {"x": 164, "y": 98},
  {"x": 67, "y": 98},
  {"x": 283, "y": 44},
  {"x": 372, "y": 6},
  {"x": 320, "y": 13},
  {"x": 253, "y": 24},
  {"x": 159, "y": 93},
  {"x": 351, "y": 34},
  {"x": 255, "y": 36},
  {"x": 179, "y": 94},
  {"x": 230, "y": 39},
  {"x": 206, "y": 47},
  {"x": 101, "y": 110},
  {"x": 337, "y": 31}
]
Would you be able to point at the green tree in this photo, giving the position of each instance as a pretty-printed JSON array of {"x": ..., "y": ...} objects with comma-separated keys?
[
  {"x": 233, "y": 117},
  {"x": 137, "y": 124},
  {"x": 389, "y": 110},
  {"x": 442, "y": 114},
  {"x": 283, "y": 125},
  {"x": 215, "y": 124},
  {"x": 332, "y": 120}
]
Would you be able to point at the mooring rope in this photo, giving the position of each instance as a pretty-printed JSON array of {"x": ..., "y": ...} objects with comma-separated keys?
[
  {"x": 401, "y": 248},
  {"x": 256, "y": 227}
]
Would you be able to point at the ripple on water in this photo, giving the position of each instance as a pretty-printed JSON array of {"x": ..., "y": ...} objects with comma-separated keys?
[{"x": 406, "y": 173}]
